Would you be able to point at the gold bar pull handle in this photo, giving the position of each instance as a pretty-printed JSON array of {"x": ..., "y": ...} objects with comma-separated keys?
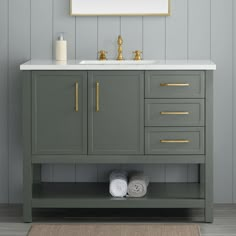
[
  {"x": 174, "y": 113},
  {"x": 97, "y": 96},
  {"x": 76, "y": 96},
  {"x": 174, "y": 85},
  {"x": 175, "y": 141}
]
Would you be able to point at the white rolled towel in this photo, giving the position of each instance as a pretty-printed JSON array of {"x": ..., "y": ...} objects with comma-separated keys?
[
  {"x": 138, "y": 184},
  {"x": 118, "y": 183}
]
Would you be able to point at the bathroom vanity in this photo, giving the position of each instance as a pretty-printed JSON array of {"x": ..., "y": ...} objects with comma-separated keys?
[{"x": 148, "y": 112}]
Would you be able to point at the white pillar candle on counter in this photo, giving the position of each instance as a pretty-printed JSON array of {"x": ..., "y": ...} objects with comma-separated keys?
[{"x": 61, "y": 48}]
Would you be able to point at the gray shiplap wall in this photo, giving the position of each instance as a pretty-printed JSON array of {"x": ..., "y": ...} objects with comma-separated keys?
[
  {"x": 197, "y": 29},
  {"x": 4, "y": 102}
]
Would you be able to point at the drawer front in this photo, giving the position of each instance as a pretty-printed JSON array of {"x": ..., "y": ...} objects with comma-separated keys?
[
  {"x": 174, "y": 112},
  {"x": 174, "y": 84},
  {"x": 174, "y": 140}
]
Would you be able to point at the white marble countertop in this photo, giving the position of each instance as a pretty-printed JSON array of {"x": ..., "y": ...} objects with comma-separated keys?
[{"x": 115, "y": 65}]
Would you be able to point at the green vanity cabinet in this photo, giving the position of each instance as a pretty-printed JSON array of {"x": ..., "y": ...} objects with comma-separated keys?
[
  {"x": 57, "y": 126},
  {"x": 92, "y": 116},
  {"x": 115, "y": 112}
]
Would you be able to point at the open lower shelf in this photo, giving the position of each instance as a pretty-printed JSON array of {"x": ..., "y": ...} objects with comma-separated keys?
[{"x": 96, "y": 195}]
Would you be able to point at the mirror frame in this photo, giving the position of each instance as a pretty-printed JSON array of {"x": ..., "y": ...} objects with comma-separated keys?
[{"x": 121, "y": 14}]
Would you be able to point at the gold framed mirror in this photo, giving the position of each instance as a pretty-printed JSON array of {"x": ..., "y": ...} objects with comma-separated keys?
[{"x": 119, "y": 7}]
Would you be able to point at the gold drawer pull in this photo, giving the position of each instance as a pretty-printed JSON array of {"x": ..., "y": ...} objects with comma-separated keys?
[
  {"x": 174, "y": 113},
  {"x": 97, "y": 96},
  {"x": 175, "y": 85},
  {"x": 175, "y": 141},
  {"x": 76, "y": 96}
]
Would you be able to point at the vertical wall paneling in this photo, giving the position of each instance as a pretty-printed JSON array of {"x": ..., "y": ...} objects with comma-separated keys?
[
  {"x": 108, "y": 31},
  {"x": 156, "y": 173},
  {"x": 86, "y": 38},
  {"x": 176, "y": 173},
  {"x": 154, "y": 37},
  {"x": 19, "y": 52},
  {"x": 221, "y": 48},
  {"x": 4, "y": 101},
  {"x": 132, "y": 34},
  {"x": 64, "y": 173},
  {"x": 63, "y": 22},
  {"x": 86, "y": 173},
  {"x": 132, "y": 167},
  {"x": 234, "y": 101},
  {"x": 47, "y": 173},
  {"x": 199, "y": 29},
  {"x": 177, "y": 30},
  {"x": 41, "y": 29},
  {"x": 192, "y": 174}
]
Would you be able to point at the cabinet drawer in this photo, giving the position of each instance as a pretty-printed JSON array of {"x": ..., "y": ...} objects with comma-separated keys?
[
  {"x": 174, "y": 84},
  {"x": 174, "y": 140},
  {"x": 174, "y": 112}
]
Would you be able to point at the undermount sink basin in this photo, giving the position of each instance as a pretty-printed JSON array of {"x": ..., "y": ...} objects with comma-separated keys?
[{"x": 115, "y": 62}]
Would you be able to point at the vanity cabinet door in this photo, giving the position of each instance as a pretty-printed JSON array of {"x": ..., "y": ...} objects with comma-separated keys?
[
  {"x": 116, "y": 112},
  {"x": 59, "y": 112}
]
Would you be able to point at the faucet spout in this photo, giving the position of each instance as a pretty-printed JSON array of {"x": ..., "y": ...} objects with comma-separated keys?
[{"x": 120, "y": 49}]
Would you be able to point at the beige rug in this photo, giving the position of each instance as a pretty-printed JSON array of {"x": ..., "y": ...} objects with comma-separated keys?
[{"x": 114, "y": 230}]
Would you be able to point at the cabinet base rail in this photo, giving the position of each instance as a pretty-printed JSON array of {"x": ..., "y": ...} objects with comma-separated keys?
[{"x": 118, "y": 159}]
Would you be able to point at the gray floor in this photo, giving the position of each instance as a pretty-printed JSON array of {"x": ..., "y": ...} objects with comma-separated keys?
[{"x": 224, "y": 219}]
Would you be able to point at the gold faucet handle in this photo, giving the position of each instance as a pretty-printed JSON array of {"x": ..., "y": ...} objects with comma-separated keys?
[
  {"x": 137, "y": 56},
  {"x": 102, "y": 55}
]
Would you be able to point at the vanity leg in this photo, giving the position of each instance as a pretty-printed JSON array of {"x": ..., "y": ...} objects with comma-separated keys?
[
  {"x": 208, "y": 191},
  {"x": 209, "y": 148},
  {"x": 27, "y": 208},
  {"x": 208, "y": 196},
  {"x": 27, "y": 165},
  {"x": 208, "y": 211},
  {"x": 209, "y": 214}
]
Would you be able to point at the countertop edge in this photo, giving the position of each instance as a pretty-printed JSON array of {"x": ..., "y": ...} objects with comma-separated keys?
[{"x": 159, "y": 67}]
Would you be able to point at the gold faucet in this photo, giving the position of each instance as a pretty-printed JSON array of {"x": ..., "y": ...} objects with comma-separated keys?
[{"x": 120, "y": 42}]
